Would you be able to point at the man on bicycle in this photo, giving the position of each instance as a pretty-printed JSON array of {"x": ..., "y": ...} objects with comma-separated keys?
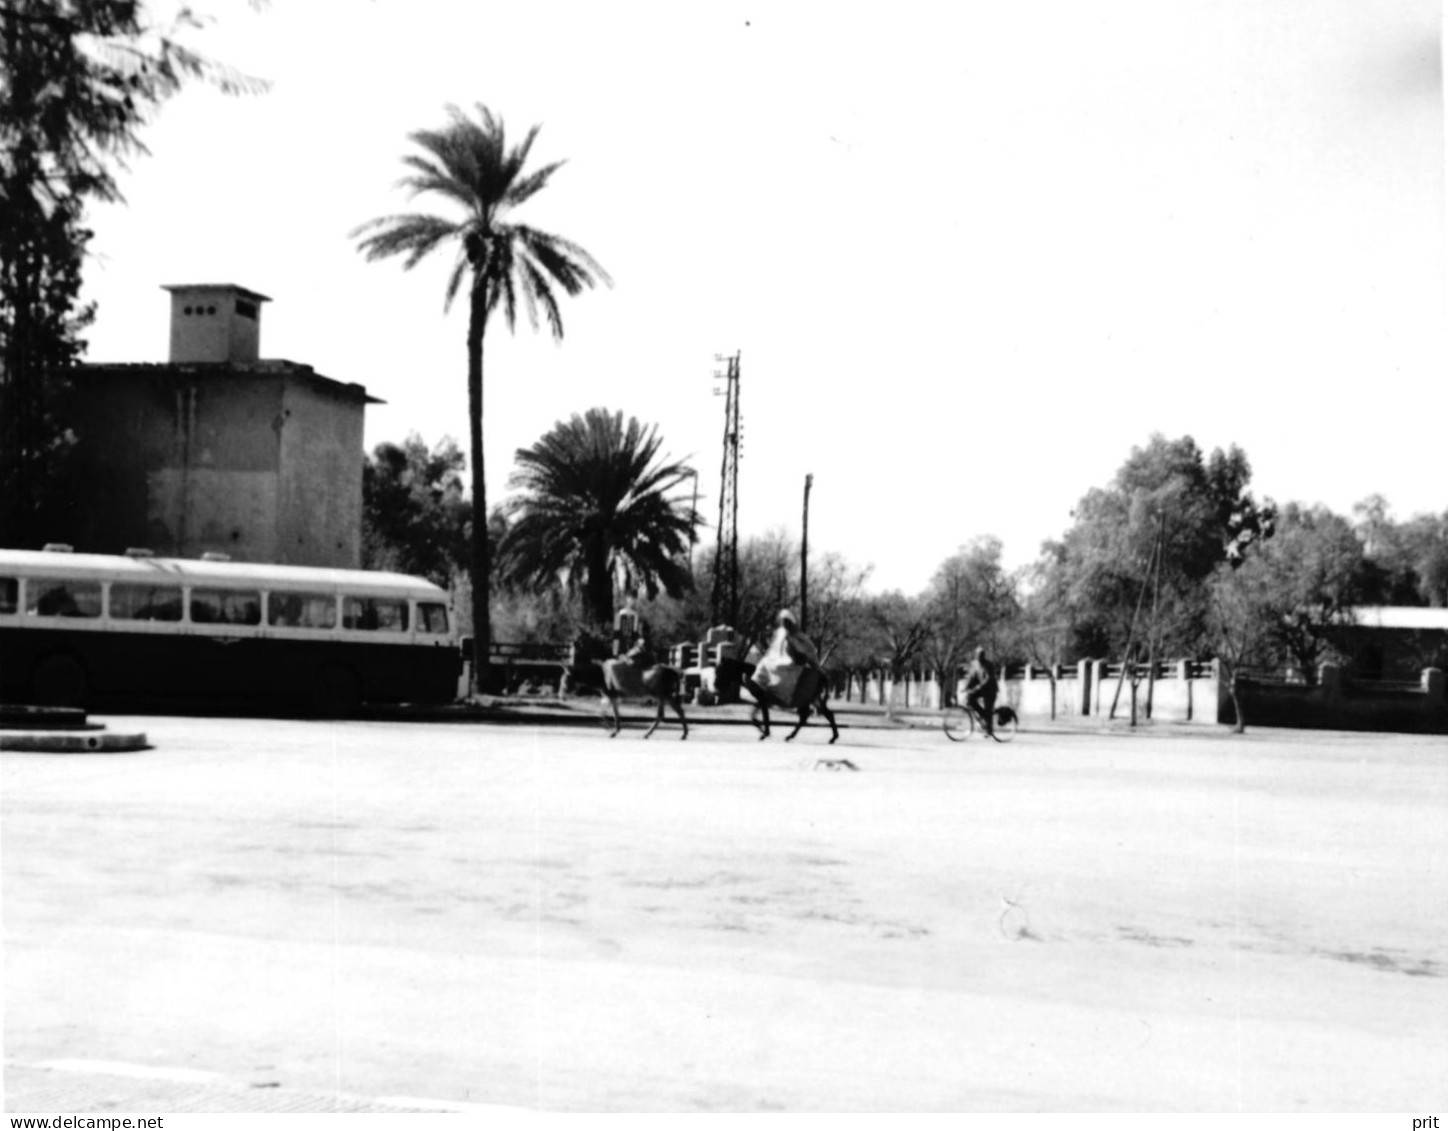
[{"x": 981, "y": 686}]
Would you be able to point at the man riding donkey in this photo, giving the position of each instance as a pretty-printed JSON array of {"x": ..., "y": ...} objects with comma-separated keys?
[
  {"x": 632, "y": 673},
  {"x": 789, "y": 675}
]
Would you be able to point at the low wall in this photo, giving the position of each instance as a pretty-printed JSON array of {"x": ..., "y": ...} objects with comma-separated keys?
[
  {"x": 1337, "y": 702},
  {"x": 1181, "y": 692},
  {"x": 1049, "y": 693}
]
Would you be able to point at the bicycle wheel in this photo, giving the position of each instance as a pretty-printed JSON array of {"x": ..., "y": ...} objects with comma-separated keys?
[
  {"x": 959, "y": 724},
  {"x": 1006, "y": 724}
]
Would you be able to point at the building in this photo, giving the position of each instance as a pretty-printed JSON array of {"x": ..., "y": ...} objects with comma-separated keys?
[
  {"x": 1393, "y": 642},
  {"x": 218, "y": 450}
]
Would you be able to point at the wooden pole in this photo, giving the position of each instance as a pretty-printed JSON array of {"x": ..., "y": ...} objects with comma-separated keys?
[
  {"x": 804, "y": 560},
  {"x": 1131, "y": 637}
]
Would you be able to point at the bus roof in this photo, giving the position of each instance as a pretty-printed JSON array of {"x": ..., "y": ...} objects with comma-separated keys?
[{"x": 116, "y": 567}]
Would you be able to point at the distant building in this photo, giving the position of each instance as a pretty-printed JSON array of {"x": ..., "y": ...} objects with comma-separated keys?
[
  {"x": 218, "y": 450},
  {"x": 1394, "y": 642}
]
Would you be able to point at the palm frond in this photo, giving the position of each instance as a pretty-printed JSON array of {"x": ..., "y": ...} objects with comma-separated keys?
[
  {"x": 414, "y": 234},
  {"x": 593, "y": 495},
  {"x": 533, "y": 183},
  {"x": 565, "y": 261},
  {"x": 536, "y": 287}
]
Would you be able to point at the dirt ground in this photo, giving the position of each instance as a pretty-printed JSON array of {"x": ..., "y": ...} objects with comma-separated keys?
[{"x": 539, "y": 917}]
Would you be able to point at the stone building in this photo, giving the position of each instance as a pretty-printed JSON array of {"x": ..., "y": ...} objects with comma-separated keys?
[{"x": 218, "y": 450}]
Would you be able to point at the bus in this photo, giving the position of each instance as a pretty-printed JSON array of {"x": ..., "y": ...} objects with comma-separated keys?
[{"x": 89, "y": 629}]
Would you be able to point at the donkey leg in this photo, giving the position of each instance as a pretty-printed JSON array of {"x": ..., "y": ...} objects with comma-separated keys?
[
  {"x": 760, "y": 715},
  {"x": 617, "y": 722},
  {"x": 803, "y": 718},
  {"x": 658, "y": 718},
  {"x": 829, "y": 715},
  {"x": 678, "y": 706}
]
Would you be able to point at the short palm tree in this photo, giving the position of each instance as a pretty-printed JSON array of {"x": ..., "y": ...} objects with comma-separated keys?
[
  {"x": 593, "y": 512},
  {"x": 469, "y": 164}
]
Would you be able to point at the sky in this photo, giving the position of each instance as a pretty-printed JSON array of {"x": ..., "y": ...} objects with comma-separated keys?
[{"x": 970, "y": 254}]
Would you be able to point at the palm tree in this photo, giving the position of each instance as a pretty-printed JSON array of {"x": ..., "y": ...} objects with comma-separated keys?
[
  {"x": 469, "y": 164},
  {"x": 594, "y": 512}
]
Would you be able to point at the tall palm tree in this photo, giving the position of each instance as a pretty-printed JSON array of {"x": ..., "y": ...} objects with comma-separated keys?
[
  {"x": 470, "y": 165},
  {"x": 594, "y": 512}
]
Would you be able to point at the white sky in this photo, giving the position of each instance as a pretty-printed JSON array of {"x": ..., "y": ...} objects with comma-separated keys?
[{"x": 971, "y": 253}]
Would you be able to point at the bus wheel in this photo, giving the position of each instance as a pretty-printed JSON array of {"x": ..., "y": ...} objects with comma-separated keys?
[
  {"x": 59, "y": 681},
  {"x": 336, "y": 693}
]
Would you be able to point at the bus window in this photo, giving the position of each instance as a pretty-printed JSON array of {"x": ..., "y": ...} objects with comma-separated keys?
[
  {"x": 63, "y": 598},
  {"x": 433, "y": 618},
  {"x": 301, "y": 610},
  {"x": 145, "y": 602},
  {"x": 374, "y": 614},
  {"x": 222, "y": 606},
  {"x": 9, "y": 596}
]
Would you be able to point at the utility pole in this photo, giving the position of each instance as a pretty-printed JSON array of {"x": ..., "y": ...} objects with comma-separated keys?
[
  {"x": 1154, "y": 631},
  {"x": 725, "y": 599},
  {"x": 1126, "y": 663},
  {"x": 693, "y": 520},
  {"x": 804, "y": 560}
]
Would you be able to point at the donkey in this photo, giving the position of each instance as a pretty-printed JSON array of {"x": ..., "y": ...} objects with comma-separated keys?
[
  {"x": 815, "y": 698},
  {"x": 614, "y": 680}
]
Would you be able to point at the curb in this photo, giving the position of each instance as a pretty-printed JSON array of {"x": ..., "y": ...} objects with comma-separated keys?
[
  {"x": 16, "y": 716},
  {"x": 52, "y": 742}
]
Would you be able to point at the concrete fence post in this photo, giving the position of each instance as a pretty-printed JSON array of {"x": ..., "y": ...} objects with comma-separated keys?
[
  {"x": 1098, "y": 677},
  {"x": 1434, "y": 683}
]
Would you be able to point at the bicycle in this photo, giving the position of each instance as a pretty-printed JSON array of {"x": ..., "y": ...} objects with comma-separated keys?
[{"x": 964, "y": 720}]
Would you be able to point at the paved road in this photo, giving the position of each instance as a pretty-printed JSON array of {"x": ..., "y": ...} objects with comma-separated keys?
[{"x": 283, "y": 915}]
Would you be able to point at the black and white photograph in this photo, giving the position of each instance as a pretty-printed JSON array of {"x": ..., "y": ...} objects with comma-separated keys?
[{"x": 608, "y": 558}]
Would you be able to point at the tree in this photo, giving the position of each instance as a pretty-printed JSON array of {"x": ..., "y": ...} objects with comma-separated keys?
[
  {"x": 901, "y": 627},
  {"x": 836, "y": 625},
  {"x": 1425, "y": 540},
  {"x": 1132, "y": 568},
  {"x": 520, "y": 616},
  {"x": 969, "y": 603},
  {"x": 79, "y": 79},
  {"x": 1042, "y": 630},
  {"x": 1301, "y": 584},
  {"x": 1406, "y": 563},
  {"x": 1240, "y": 622},
  {"x": 594, "y": 509},
  {"x": 415, "y": 518},
  {"x": 40, "y": 326},
  {"x": 470, "y": 165}
]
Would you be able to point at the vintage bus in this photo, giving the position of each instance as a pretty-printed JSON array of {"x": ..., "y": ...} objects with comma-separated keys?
[{"x": 98, "y": 629}]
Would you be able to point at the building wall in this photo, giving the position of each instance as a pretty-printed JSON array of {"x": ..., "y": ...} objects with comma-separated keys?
[
  {"x": 319, "y": 490},
  {"x": 217, "y": 492},
  {"x": 1391, "y": 653},
  {"x": 263, "y": 465}
]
